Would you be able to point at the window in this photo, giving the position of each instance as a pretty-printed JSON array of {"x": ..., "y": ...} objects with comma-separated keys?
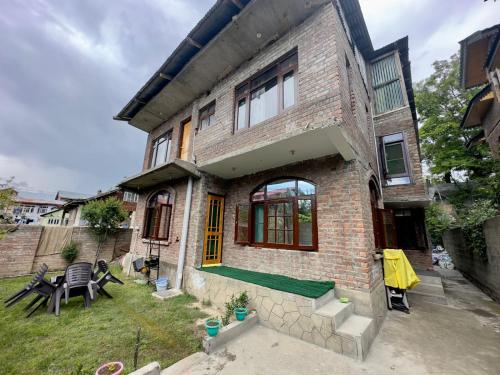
[
  {"x": 130, "y": 197},
  {"x": 158, "y": 216},
  {"x": 28, "y": 209},
  {"x": 281, "y": 214},
  {"x": 386, "y": 84},
  {"x": 43, "y": 209},
  {"x": 267, "y": 94},
  {"x": 207, "y": 116},
  {"x": 161, "y": 149},
  {"x": 394, "y": 159}
]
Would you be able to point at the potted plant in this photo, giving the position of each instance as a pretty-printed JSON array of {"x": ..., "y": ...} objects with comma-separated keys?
[
  {"x": 111, "y": 368},
  {"x": 240, "y": 313},
  {"x": 212, "y": 326}
]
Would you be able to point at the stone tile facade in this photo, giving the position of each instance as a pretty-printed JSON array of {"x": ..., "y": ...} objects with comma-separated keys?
[{"x": 288, "y": 313}]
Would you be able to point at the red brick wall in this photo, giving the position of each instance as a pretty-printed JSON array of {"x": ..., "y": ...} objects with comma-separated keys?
[
  {"x": 344, "y": 226},
  {"x": 18, "y": 249},
  {"x": 401, "y": 121}
]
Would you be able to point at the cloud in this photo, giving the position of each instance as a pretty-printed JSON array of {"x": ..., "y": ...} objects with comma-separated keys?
[
  {"x": 434, "y": 27},
  {"x": 65, "y": 69}
]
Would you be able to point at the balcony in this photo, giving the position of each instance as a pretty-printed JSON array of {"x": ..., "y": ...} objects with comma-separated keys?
[
  {"x": 170, "y": 171},
  {"x": 292, "y": 147}
]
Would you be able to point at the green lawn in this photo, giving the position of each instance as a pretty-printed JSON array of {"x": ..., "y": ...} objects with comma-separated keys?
[{"x": 79, "y": 340}]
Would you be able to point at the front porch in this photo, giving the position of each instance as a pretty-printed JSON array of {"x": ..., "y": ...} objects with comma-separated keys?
[{"x": 323, "y": 321}]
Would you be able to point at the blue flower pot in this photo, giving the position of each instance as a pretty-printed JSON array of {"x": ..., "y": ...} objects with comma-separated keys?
[
  {"x": 241, "y": 313},
  {"x": 212, "y": 326}
]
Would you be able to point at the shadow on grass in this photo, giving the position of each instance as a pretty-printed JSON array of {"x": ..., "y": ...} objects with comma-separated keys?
[{"x": 79, "y": 340}]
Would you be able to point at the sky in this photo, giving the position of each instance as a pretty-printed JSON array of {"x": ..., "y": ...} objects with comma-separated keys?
[{"x": 67, "y": 67}]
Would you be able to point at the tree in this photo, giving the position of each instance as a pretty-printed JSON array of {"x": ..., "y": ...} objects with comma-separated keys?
[
  {"x": 441, "y": 103},
  {"x": 7, "y": 194},
  {"x": 103, "y": 218}
]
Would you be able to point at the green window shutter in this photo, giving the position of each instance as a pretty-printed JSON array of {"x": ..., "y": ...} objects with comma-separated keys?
[{"x": 386, "y": 85}]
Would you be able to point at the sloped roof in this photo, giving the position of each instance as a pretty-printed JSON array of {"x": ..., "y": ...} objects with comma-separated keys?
[{"x": 62, "y": 194}]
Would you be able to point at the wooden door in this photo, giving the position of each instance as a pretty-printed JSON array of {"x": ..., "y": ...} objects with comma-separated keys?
[
  {"x": 184, "y": 143},
  {"x": 214, "y": 220},
  {"x": 388, "y": 228}
]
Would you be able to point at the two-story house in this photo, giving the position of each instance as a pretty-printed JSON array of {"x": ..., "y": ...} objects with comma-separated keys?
[{"x": 281, "y": 141}]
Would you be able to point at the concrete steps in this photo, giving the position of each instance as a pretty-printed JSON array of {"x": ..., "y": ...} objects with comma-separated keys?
[
  {"x": 351, "y": 333},
  {"x": 339, "y": 312},
  {"x": 430, "y": 290},
  {"x": 361, "y": 331}
]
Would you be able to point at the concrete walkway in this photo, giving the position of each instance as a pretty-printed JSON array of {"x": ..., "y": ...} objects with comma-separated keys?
[{"x": 460, "y": 338}]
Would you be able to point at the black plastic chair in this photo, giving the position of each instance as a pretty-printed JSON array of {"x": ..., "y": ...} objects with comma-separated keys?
[
  {"x": 101, "y": 281},
  {"x": 28, "y": 289},
  {"x": 45, "y": 289},
  {"x": 77, "y": 282}
]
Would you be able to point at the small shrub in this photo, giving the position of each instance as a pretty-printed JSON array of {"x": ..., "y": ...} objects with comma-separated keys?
[
  {"x": 235, "y": 302},
  {"x": 471, "y": 222},
  {"x": 70, "y": 252}
]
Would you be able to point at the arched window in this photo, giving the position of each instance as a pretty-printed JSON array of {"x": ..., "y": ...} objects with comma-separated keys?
[
  {"x": 281, "y": 214},
  {"x": 158, "y": 216}
]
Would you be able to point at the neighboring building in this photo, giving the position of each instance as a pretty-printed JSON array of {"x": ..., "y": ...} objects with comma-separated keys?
[
  {"x": 69, "y": 196},
  {"x": 480, "y": 65},
  {"x": 53, "y": 218},
  {"x": 31, "y": 211},
  {"x": 280, "y": 141},
  {"x": 70, "y": 212}
]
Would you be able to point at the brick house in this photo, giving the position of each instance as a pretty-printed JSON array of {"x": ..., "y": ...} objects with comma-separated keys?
[
  {"x": 281, "y": 141},
  {"x": 69, "y": 213},
  {"x": 480, "y": 66}
]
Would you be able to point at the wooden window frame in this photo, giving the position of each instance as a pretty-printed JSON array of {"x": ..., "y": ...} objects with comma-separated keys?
[
  {"x": 205, "y": 114},
  {"x": 156, "y": 211},
  {"x": 154, "y": 149},
  {"x": 383, "y": 158},
  {"x": 281, "y": 72},
  {"x": 181, "y": 137},
  {"x": 295, "y": 219}
]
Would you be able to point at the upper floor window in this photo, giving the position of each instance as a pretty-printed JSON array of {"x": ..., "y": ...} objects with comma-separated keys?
[
  {"x": 158, "y": 216},
  {"x": 394, "y": 159},
  {"x": 161, "y": 149},
  {"x": 130, "y": 197},
  {"x": 43, "y": 209},
  {"x": 267, "y": 94},
  {"x": 281, "y": 214},
  {"x": 386, "y": 84},
  {"x": 28, "y": 209},
  {"x": 207, "y": 116}
]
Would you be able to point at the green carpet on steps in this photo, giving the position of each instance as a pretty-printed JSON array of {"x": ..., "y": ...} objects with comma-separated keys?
[{"x": 306, "y": 288}]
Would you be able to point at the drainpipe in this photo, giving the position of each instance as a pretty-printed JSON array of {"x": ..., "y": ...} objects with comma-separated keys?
[{"x": 184, "y": 234}]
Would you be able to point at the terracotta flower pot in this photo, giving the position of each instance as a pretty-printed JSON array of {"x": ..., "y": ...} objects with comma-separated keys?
[{"x": 111, "y": 368}]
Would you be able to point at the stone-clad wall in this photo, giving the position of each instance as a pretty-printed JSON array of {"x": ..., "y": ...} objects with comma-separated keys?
[
  {"x": 288, "y": 313},
  {"x": 18, "y": 250}
]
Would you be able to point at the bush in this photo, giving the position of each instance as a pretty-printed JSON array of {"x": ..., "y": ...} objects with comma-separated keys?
[
  {"x": 471, "y": 222},
  {"x": 438, "y": 222},
  {"x": 70, "y": 252}
]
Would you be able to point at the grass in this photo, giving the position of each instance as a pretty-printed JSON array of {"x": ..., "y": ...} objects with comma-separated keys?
[{"x": 79, "y": 340}]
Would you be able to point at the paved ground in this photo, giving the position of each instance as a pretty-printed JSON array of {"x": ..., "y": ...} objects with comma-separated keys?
[{"x": 461, "y": 338}]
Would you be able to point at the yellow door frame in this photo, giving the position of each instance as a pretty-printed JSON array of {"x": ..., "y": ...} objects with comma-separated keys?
[{"x": 214, "y": 224}]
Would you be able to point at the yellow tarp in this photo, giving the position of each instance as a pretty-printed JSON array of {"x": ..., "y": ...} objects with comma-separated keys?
[{"x": 398, "y": 272}]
